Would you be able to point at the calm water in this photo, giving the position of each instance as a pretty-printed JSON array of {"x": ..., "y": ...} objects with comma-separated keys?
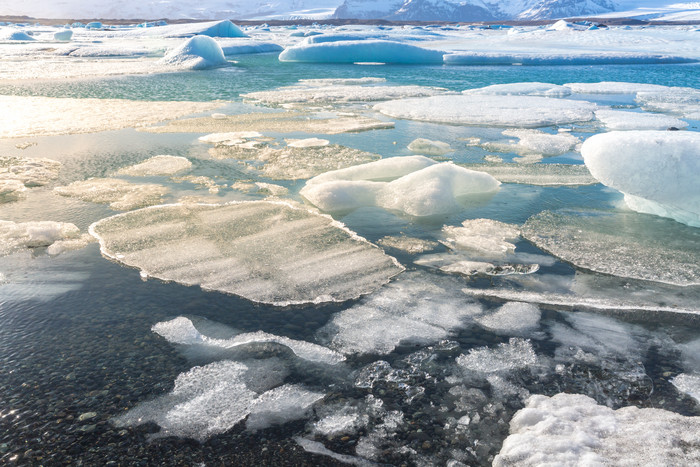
[{"x": 77, "y": 350}]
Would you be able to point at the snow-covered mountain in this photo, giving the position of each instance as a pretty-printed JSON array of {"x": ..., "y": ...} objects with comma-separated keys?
[{"x": 472, "y": 10}]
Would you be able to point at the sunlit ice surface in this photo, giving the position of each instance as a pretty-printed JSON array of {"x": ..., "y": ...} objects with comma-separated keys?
[{"x": 210, "y": 252}]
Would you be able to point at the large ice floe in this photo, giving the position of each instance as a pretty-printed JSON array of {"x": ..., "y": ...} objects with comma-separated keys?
[
  {"x": 622, "y": 244},
  {"x": 572, "y": 429},
  {"x": 304, "y": 94},
  {"x": 414, "y": 185},
  {"x": 34, "y": 116},
  {"x": 522, "y": 89},
  {"x": 196, "y": 53},
  {"x": 270, "y": 252},
  {"x": 537, "y": 174},
  {"x": 362, "y": 51},
  {"x": 504, "y": 111},
  {"x": 676, "y": 100},
  {"x": 655, "y": 170},
  {"x": 157, "y": 165}
]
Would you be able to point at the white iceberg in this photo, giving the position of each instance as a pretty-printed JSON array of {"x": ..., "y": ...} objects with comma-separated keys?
[
  {"x": 269, "y": 252},
  {"x": 414, "y": 185},
  {"x": 523, "y": 112},
  {"x": 63, "y": 36},
  {"x": 9, "y": 34},
  {"x": 429, "y": 147},
  {"x": 362, "y": 51},
  {"x": 196, "y": 53},
  {"x": 655, "y": 170}
]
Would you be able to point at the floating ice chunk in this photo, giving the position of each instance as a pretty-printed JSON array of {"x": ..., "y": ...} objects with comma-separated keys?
[
  {"x": 196, "y": 53},
  {"x": 554, "y": 59},
  {"x": 63, "y": 36},
  {"x": 17, "y": 236},
  {"x": 512, "y": 318},
  {"x": 679, "y": 101},
  {"x": 269, "y": 252},
  {"x": 525, "y": 111},
  {"x": 10, "y": 34},
  {"x": 537, "y": 174},
  {"x": 119, "y": 194},
  {"x": 483, "y": 237},
  {"x": 244, "y": 47},
  {"x": 455, "y": 264},
  {"x": 282, "y": 122},
  {"x": 158, "y": 165},
  {"x": 205, "y": 401},
  {"x": 429, "y": 147},
  {"x": 517, "y": 354},
  {"x": 539, "y": 142},
  {"x": 688, "y": 384},
  {"x": 664, "y": 165},
  {"x": 272, "y": 189},
  {"x": 409, "y": 310},
  {"x": 339, "y": 93},
  {"x": 621, "y": 120},
  {"x": 230, "y": 136},
  {"x": 11, "y": 190},
  {"x": 418, "y": 187},
  {"x": 562, "y": 25},
  {"x": 34, "y": 116},
  {"x": 613, "y": 87},
  {"x": 61, "y": 246},
  {"x": 315, "y": 447},
  {"x": 522, "y": 89},
  {"x": 281, "y": 405},
  {"x": 307, "y": 143},
  {"x": 377, "y": 51},
  {"x": 298, "y": 163},
  {"x": 572, "y": 429},
  {"x": 621, "y": 244},
  {"x": 408, "y": 244},
  {"x": 28, "y": 171}
]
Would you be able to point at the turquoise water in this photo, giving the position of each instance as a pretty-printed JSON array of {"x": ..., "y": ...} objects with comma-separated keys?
[{"x": 77, "y": 350}]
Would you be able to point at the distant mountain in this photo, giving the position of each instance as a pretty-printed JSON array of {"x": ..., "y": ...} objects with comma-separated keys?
[{"x": 471, "y": 10}]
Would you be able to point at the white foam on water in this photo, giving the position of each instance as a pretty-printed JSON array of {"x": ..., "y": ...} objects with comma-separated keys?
[
  {"x": 270, "y": 252},
  {"x": 18, "y": 236},
  {"x": 664, "y": 164},
  {"x": 572, "y": 429},
  {"x": 537, "y": 174},
  {"x": 41, "y": 116},
  {"x": 622, "y": 120},
  {"x": 512, "y": 318},
  {"x": 408, "y": 310},
  {"x": 158, "y": 165},
  {"x": 613, "y": 87},
  {"x": 488, "y": 110},
  {"x": 339, "y": 94},
  {"x": 522, "y": 89},
  {"x": 121, "y": 195},
  {"x": 688, "y": 384},
  {"x": 416, "y": 186},
  {"x": 621, "y": 244},
  {"x": 429, "y": 147}
]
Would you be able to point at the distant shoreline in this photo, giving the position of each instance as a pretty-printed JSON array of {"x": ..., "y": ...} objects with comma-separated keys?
[{"x": 343, "y": 22}]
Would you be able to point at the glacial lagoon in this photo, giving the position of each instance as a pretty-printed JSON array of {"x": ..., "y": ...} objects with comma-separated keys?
[{"x": 358, "y": 245}]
